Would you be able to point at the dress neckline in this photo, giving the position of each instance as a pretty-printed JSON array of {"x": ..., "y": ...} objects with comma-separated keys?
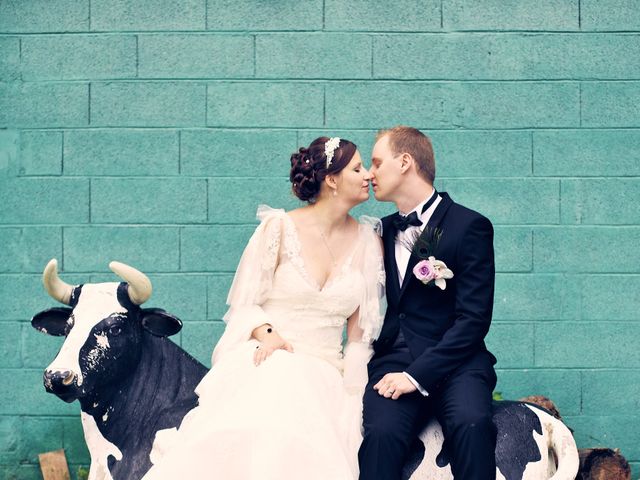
[{"x": 295, "y": 255}]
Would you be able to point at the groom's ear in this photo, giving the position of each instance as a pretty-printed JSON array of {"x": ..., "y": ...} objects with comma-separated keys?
[{"x": 406, "y": 161}]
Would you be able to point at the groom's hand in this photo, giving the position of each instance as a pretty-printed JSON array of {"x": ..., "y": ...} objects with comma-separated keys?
[{"x": 393, "y": 385}]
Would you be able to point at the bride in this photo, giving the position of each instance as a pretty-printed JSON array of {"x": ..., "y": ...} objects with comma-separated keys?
[{"x": 283, "y": 399}]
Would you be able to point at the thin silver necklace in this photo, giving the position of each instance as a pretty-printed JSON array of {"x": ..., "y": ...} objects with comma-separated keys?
[{"x": 326, "y": 244}]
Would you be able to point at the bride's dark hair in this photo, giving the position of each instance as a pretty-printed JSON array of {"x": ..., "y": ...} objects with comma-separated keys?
[{"x": 309, "y": 166}]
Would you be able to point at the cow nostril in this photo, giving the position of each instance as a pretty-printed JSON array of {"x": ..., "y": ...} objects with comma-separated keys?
[{"x": 68, "y": 380}]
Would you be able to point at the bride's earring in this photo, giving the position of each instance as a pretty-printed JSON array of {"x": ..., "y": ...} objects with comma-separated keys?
[{"x": 335, "y": 192}]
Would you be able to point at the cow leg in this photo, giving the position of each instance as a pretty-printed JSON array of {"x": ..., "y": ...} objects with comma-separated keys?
[{"x": 463, "y": 408}]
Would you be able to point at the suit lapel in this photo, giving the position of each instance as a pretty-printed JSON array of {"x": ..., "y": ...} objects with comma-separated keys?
[
  {"x": 433, "y": 222},
  {"x": 388, "y": 238}
]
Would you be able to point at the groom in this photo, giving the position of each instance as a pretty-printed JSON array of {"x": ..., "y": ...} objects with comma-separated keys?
[{"x": 430, "y": 358}]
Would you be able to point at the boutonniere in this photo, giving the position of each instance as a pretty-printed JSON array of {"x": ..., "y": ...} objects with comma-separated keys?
[{"x": 428, "y": 270}]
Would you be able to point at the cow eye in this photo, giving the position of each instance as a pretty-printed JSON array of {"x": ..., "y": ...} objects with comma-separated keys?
[{"x": 115, "y": 330}]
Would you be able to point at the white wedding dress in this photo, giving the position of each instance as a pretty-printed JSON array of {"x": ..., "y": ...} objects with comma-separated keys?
[{"x": 297, "y": 415}]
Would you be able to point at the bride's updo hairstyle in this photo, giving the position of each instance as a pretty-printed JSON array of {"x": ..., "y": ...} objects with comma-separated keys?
[{"x": 309, "y": 166}]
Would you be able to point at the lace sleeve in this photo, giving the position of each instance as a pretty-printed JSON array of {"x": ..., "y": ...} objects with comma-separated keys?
[
  {"x": 255, "y": 271},
  {"x": 252, "y": 282},
  {"x": 373, "y": 302},
  {"x": 358, "y": 352}
]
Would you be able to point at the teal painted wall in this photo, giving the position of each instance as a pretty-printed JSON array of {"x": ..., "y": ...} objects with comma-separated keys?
[{"x": 148, "y": 132}]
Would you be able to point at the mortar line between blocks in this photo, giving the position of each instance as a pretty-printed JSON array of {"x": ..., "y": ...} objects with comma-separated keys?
[
  {"x": 580, "y": 281},
  {"x": 533, "y": 258},
  {"x": 206, "y": 105},
  {"x": 62, "y": 153},
  {"x": 255, "y": 126},
  {"x": 532, "y": 164},
  {"x": 255, "y": 55},
  {"x": 62, "y": 249},
  {"x": 371, "y": 37},
  {"x": 580, "y": 102},
  {"x": 180, "y": 248},
  {"x": 535, "y": 325},
  {"x": 441, "y": 14},
  {"x": 560, "y": 202},
  {"x": 531, "y": 269},
  {"x": 206, "y": 298},
  {"x": 324, "y": 2},
  {"x": 324, "y": 105},
  {"x": 579, "y": 14},
  {"x": 581, "y": 391},
  {"x": 389, "y": 80},
  {"x": 90, "y": 182},
  {"x": 137, "y": 56},
  {"x": 89, "y": 15},
  {"x": 429, "y": 31},
  {"x": 21, "y": 363},
  {"x": 179, "y": 152}
]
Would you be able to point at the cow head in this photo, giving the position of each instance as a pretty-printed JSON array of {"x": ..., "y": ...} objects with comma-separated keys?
[{"x": 104, "y": 326}]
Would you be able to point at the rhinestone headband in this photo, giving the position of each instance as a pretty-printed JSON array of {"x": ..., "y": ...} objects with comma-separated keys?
[{"x": 330, "y": 148}]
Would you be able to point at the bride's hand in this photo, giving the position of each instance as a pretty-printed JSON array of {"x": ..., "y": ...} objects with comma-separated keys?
[{"x": 267, "y": 347}]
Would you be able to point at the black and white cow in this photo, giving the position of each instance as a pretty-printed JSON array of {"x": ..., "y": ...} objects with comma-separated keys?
[{"x": 131, "y": 381}]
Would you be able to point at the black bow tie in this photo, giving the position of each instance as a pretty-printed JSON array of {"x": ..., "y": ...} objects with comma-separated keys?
[{"x": 403, "y": 222}]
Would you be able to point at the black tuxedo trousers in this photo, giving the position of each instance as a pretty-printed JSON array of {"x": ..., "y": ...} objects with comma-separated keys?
[{"x": 437, "y": 337}]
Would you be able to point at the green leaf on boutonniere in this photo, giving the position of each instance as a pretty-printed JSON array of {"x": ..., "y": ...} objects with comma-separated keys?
[{"x": 423, "y": 244}]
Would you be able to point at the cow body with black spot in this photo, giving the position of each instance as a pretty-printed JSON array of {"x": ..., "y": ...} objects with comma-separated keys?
[
  {"x": 130, "y": 379},
  {"x": 530, "y": 445}
]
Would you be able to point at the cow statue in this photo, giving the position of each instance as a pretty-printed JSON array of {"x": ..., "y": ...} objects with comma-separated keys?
[
  {"x": 130, "y": 379},
  {"x": 132, "y": 382}
]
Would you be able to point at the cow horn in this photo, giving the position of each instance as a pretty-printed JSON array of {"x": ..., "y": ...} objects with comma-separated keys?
[
  {"x": 139, "y": 284},
  {"x": 55, "y": 287}
]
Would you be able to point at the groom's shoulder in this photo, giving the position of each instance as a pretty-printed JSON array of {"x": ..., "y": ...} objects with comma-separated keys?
[
  {"x": 468, "y": 216},
  {"x": 386, "y": 224}
]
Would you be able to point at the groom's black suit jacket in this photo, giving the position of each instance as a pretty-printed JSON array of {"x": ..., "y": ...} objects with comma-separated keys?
[{"x": 444, "y": 329}]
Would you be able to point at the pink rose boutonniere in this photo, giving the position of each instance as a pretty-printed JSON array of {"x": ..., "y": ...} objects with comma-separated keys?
[
  {"x": 432, "y": 271},
  {"x": 428, "y": 270}
]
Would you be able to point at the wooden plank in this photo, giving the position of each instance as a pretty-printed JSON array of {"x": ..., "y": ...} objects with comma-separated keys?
[{"x": 54, "y": 465}]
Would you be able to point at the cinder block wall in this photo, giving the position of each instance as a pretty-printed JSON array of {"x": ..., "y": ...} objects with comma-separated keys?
[{"x": 149, "y": 131}]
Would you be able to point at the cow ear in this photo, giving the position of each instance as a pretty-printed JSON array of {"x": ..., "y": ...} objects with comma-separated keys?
[
  {"x": 160, "y": 323},
  {"x": 54, "y": 321}
]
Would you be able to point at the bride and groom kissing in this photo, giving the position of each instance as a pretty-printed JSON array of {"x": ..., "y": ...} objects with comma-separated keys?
[{"x": 414, "y": 292}]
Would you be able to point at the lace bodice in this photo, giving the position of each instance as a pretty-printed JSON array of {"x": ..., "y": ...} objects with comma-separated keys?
[
  {"x": 272, "y": 285},
  {"x": 310, "y": 317}
]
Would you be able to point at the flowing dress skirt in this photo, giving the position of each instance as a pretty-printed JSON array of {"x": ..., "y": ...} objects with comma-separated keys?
[{"x": 287, "y": 419}]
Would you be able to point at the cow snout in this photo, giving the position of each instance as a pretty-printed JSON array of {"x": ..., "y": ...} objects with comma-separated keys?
[{"x": 59, "y": 381}]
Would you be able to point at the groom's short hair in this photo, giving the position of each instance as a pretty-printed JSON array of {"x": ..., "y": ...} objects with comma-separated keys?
[{"x": 403, "y": 139}]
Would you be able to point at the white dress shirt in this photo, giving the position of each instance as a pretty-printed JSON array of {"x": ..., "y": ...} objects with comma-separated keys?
[{"x": 403, "y": 254}]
